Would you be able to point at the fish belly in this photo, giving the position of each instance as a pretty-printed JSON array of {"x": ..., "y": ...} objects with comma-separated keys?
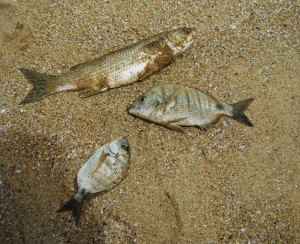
[
  {"x": 105, "y": 179},
  {"x": 128, "y": 74}
]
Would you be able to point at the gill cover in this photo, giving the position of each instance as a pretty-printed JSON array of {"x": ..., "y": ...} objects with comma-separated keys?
[{"x": 145, "y": 105}]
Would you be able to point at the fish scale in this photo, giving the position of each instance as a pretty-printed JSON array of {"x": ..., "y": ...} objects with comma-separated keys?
[
  {"x": 186, "y": 104},
  {"x": 102, "y": 171},
  {"x": 115, "y": 69},
  {"x": 177, "y": 105}
]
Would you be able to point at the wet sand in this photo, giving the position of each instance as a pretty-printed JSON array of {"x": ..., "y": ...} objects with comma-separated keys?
[{"x": 230, "y": 183}]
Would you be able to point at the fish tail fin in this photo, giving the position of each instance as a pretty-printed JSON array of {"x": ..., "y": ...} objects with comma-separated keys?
[
  {"x": 74, "y": 204},
  {"x": 238, "y": 110},
  {"x": 41, "y": 87}
]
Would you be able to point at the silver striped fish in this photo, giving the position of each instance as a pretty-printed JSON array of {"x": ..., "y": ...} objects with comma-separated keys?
[
  {"x": 175, "y": 105},
  {"x": 118, "y": 68},
  {"x": 106, "y": 168}
]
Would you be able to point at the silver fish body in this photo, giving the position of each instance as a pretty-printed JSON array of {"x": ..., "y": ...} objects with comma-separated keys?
[
  {"x": 115, "y": 69},
  {"x": 175, "y": 105},
  {"x": 107, "y": 167}
]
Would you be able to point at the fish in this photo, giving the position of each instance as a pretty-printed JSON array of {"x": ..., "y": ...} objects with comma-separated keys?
[
  {"x": 105, "y": 169},
  {"x": 115, "y": 69},
  {"x": 177, "y": 105}
]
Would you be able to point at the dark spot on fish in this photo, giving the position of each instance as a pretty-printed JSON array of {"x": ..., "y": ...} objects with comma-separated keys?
[
  {"x": 220, "y": 107},
  {"x": 199, "y": 102},
  {"x": 93, "y": 84},
  {"x": 101, "y": 159},
  {"x": 102, "y": 82},
  {"x": 163, "y": 57},
  {"x": 188, "y": 99}
]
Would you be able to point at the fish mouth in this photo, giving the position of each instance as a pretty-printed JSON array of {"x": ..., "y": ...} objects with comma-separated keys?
[
  {"x": 187, "y": 38},
  {"x": 190, "y": 31},
  {"x": 131, "y": 109}
]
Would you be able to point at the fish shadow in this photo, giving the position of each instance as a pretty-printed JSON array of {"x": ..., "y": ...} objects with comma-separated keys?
[
  {"x": 28, "y": 185},
  {"x": 32, "y": 176}
]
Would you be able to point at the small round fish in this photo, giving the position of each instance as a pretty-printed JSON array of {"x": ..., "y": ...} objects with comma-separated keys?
[
  {"x": 115, "y": 69},
  {"x": 175, "y": 105},
  {"x": 106, "y": 168}
]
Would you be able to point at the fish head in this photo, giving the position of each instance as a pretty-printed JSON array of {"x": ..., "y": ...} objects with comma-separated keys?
[
  {"x": 144, "y": 105},
  {"x": 181, "y": 39},
  {"x": 120, "y": 149},
  {"x": 119, "y": 145}
]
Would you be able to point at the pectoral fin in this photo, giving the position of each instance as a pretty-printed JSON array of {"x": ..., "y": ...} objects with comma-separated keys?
[
  {"x": 172, "y": 124},
  {"x": 177, "y": 120}
]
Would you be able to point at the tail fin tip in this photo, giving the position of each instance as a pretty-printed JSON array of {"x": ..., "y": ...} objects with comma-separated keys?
[
  {"x": 74, "y": 206},
  {"x": 238, "y": 110},
  {"x": 40, "y": 85}
]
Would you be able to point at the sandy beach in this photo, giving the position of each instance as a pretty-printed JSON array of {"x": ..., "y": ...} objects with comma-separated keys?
[{"x": 227, "y": 184}]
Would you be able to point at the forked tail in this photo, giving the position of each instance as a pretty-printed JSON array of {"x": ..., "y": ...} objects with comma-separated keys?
[
  {"x": 238, "y": 110},
  {"x": 74, "y": 204},
  {"x": 41, "y": 85}
]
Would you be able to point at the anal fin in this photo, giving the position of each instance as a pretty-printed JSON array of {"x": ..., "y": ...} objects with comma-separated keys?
[{"x": 178, "y": 128}]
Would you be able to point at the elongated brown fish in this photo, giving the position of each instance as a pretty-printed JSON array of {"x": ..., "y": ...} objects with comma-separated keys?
[
  {"x": 174, "y": 106},
  {"x": 118, "y": 68},
  {"x": 103, "y": 171}
]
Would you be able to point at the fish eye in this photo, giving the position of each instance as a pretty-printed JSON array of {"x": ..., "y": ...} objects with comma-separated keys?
[
  {"x": 142, "y": 99},
  {"x": 124, "y": 146}
]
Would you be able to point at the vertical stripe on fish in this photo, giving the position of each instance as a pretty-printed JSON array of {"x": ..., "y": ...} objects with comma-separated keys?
[{"x": 185, "y": 106}]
